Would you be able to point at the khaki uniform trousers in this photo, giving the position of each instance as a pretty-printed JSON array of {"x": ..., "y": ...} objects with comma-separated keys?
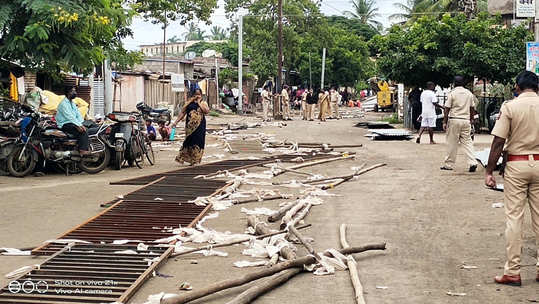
[
  {"x": 335, "y": 110},
  {"x": 521, "y": 186},
  {"x": 286, "y": 108},
  {"x": 459, "y": 130},
  {"x": 310, "y": 111},
  {"x": 304, "y": 110},
  {"x": 265, "y": 109}
]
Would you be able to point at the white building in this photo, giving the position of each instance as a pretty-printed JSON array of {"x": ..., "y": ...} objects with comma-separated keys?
[{"x": 177, "y": 48}]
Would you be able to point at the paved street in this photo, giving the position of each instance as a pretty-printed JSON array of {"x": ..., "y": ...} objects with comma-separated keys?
[{"x": 433, "y": 222}]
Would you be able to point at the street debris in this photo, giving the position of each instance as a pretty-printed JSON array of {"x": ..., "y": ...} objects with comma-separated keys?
[
  {"x": 185, "y": 286},
  {"x": 390, "y": 134},
  {"x": 456, "y": 294},
  {"x": 497, "y": 205}
]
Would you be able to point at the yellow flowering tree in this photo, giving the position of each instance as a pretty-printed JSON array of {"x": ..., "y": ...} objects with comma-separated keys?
[{"x": 69, "y": 35}]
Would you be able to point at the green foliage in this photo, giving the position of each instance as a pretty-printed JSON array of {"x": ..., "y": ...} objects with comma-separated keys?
[
  {"x": 218, "y": 33},
  {"x": 194, "y": 33},
  {"x": 393, "y": 119},
  {"x": 163, "y": 11},
  {"x": 353, "y": 26},
  {"x": 68, "y": 34},
  {"x": 306, "y": 32},
  {"x": 365, "y": 11},
  {"x": 436, "y": 50}
]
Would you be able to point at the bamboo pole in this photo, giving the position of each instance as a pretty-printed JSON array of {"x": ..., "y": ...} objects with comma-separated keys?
[
  {"x": 301, "y": 215},
  {"x": 266, "y": 285},
  {"x": 352, "y": 267},
  {"x": 287, "y": 218},
  {"x": 333, "y": 185},
  {"x": 229, "y": 283},
  {"x": 267, "y": 198},
  {"x": 277, "y": 215},
  {"x": 287, "y": 251},
  {"x": 247, "y": 239},
  {"x": 318, "y": 162},
  {"x": 302, "y": 240}
]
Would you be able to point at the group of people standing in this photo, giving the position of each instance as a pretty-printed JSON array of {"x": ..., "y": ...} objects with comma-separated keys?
[
  {"x": 327, "y": 101},
  {"x": 516, "y": 137}
]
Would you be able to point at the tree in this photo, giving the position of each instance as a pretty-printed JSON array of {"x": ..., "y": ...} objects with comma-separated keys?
[
  {"x": 174, "y": 39},
  {"x": 164, "y": 11},
  {"x": 194, "y": 33},
  {"x": 365, "y": 11},
  {"x": 436, "y": 50},
  {"x": 69, "y": 35},
  {"x": 218, "y": 33},
  {"x": 353, "y": 26},
  {"x": 411, "y": 10}
]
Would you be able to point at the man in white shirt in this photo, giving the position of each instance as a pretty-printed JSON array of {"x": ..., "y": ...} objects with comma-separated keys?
[{"x": 429, "y": 102}]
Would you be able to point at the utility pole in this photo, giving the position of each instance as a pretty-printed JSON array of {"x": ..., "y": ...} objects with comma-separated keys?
[
  {"x": 240, "y": 64},
  {"x": 280, "y": 46},
  {"x": 310, "y": 72},
  {"x": 323, "y": 67},
  {"x": 164, "y": 56}
]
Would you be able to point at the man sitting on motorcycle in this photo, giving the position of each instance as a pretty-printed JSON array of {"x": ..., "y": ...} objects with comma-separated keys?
[{"x": 69, "y": 119}]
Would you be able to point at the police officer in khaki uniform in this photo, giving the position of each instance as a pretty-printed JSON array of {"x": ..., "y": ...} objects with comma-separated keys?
[
  {"x": 334, "y": 103},
  {"x": 285, "y": 103},
  {"x": 518, "y": 129},
  {"x": 458, "y": 116},
  {"x": 266, "y": 100}
]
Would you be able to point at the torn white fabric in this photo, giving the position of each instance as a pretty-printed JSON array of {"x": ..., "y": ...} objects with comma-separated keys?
[
  {"x": 258, "y": 211},
  {"x": 151, "y": 261},
  {"x": 456, "y": 294},
  {"x": 212, "y": 252},
  {"x": 497, "y": 205},
  {"x": 123, "y": 242},
  {"x": 317, "y": 192},
  {"x": 168, "y": 239},
  {"x": 156, "y": 299},
  {"x": 15, "y": 251},
  {"x": 242, "y": 264},
  {"x": 142, "y": 247},
  {"x": 222, "y": 205},
  {"x": 17, "y": 272},
  {"x": 129, "y": 251},
  {"x": 66, "y": 241},
  {"x": 294, "y": 184}
]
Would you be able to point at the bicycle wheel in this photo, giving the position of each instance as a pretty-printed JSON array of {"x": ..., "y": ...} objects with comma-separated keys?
[
  {"x": 138, "y": 151},
  {"x": 148, "y": 150}
]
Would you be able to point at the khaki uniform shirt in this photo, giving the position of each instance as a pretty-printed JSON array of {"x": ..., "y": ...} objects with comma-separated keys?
[
  {"x": 304, "y": 96},
  {"x": 265, "y": 96},
  {"x": 460, "y": 100},
  {"x": 284, "y": 93},
  {"x": 519, "y": 124},
  {"x": 333, "y": 96}
]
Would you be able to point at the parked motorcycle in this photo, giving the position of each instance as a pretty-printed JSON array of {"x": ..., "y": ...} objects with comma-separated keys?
[
  {"x": 7, "y": 144},
  {"x": 154, "y": 114},
  {"x": 129, "y": 141},
  {"x": 41, "y": 141}
]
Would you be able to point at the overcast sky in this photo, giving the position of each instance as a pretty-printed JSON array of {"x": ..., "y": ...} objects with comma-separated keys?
[{"x": 147, "y": 33}]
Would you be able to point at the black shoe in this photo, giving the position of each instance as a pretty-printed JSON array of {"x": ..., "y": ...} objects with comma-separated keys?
[{"x": 472, "y": 168}]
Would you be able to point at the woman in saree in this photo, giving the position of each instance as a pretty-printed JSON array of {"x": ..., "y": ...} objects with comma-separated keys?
[
  {"x": 195, "y": 129},
  {"x": 323, "y": 101}
]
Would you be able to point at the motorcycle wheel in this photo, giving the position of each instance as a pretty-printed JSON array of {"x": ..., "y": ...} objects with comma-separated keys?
[
  {"x": 118, "y": 160},
  {"x": 25, "y": 166},
  {"x": 92, "y": 167}
]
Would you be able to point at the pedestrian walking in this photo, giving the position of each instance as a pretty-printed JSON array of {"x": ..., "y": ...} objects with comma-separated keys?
[
  {"x": 195, "y": 129},
  {"x": 518, "y": 130},
  {"x": 458, "y": 117},
  {"x": 266, "y": 100},
  {"x": 429, "y": 102},
  {"x": 285, "y": 103},
  {"x": 323, "y": 103},
  {"x": 334, "y": 97}
]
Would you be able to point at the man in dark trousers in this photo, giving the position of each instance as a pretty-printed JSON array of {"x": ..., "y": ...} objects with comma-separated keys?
[{"x": 69, "y": 119}]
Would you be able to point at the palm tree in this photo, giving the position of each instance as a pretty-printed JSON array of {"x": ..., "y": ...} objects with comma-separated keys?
[
  {"x": 365, "y": 11},
  {"x": 218, "y": 33},
  {"x": 194, "y": 33},
  {"x": 174, "y": 39},
  {"x": 411, "y": 10}
]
